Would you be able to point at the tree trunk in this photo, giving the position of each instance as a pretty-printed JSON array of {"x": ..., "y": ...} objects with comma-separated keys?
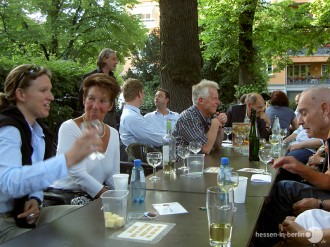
[
  {"x": 180, "y": 52},
  {"x": 246, "y": 48}
]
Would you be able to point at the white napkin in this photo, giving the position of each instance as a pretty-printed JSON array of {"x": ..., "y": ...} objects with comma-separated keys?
[{"x": 261, "y": 178}]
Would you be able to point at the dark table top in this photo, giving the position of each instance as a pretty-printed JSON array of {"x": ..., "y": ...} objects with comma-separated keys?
[
  {"x": 200, "y": 184},
  {"x": 85, "y": 226}
]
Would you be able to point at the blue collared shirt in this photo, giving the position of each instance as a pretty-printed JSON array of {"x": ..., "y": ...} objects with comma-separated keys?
[
  {"x": 158, "y": 120},
  {"x": 17, "y": 180},
  {"x": 134, "y": 128}
]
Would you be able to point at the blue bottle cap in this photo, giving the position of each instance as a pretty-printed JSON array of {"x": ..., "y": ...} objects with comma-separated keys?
[
  {"x": 137, "y": 162},
  {"x": 224, "y": 161}
]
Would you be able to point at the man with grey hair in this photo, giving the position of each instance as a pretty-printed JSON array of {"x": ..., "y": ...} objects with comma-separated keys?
[
  {"x": 291, "y": 197},
  {"x": 201, "y": 122}
]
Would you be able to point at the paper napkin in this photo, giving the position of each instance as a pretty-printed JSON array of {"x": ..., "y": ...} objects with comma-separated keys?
[{"x": 261, "y": 178}]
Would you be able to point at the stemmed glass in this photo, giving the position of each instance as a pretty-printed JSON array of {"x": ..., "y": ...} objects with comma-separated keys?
[
  {"x": 154, "y": 159},
  {"x": 274, "y": 139},
  {"x": 262, "y": 143},
  {"x": 195, "y": 146},
  {"x": 227, "y": 131},
  {"x": 239, "y": 140},
  {"x": 97, "y": 124},
  {"x": 183, "y": 152},
  {"x": 228, "y": 181},
  {"x": 283, "y": 134},
  {"x": 265, "y": 155}
]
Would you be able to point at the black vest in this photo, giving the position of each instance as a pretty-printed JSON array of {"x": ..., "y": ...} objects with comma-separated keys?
[{"x": 12, "y": 116}]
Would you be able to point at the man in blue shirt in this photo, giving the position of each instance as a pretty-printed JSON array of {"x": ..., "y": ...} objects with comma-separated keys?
[
  {"x": 159, "y": 117},
  {"x": 134, "y": 128}
]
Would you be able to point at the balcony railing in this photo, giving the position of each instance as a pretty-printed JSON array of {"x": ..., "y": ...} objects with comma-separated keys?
[{"x": 307, "y": 81}]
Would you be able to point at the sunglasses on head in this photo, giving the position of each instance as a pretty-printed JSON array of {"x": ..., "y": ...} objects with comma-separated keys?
[{"x": 31, "y": 70}]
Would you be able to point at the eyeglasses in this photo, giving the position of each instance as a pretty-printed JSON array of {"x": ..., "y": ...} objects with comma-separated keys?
[
  {"x": 92, "y": 100},
  {"x": 30, "y": 71}
]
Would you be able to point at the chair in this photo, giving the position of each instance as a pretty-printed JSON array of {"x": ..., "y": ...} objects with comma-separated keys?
[{"x": 139, "y": 151}]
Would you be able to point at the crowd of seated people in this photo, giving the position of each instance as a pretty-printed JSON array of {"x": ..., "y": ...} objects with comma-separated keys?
[{"x": 200, "y": 122}]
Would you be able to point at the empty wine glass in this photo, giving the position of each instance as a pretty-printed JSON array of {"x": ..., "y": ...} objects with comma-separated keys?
[
  {"x": 227, "y": 181},
  {"x": 154, "y": 159},
  {"x": 195, "y": 146},
  {"x": 227, "y": 131},
  {"x": 265, "y": 155},
  {"x": 239, "y": 140},
  {"x": 183, "y": 152},
  {"x": 97, "y": 124}
]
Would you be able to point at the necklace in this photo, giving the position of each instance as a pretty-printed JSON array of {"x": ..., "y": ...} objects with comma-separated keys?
[{"x": 83, "y": 116}]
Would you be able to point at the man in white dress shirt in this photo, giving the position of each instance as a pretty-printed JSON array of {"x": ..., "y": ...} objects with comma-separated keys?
[
  {"x": 159, "y": 117},
  {"x": 134, "y": 128}
]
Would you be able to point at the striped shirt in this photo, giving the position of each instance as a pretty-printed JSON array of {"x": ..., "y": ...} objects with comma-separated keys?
[{"x": 191, "y": 126}]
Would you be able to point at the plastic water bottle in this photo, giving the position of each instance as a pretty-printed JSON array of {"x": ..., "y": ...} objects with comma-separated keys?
[
  {"x": 138, "y": 183},
  {"x": 224, "y": 166}
]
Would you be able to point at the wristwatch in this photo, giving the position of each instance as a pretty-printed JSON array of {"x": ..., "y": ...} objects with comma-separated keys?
[
  {"x": 321, "y": 204},
  {"x": 322, "y": 161}
]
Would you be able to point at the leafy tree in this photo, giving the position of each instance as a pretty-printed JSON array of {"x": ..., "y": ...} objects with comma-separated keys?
[
  {"x": 279, "y": 25},
  {"x": 240, "y": 37},
  {"x": 145, "y": 66},
  {"x": 73, "y": 29}
]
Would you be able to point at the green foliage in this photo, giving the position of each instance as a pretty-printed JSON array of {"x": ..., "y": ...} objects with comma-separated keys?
[
  {"x": 146, "y": 68},
  {"x": 66, "y": 79},
  {"x": 70, "y": 30}
]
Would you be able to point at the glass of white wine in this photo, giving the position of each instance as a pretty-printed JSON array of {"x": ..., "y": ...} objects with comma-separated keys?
[
  {"x": 220, "y": 217},
  {"x": 283, "y": 133},
  {"x": 183, "y": 152},
  {"x": 154, "y": 159},
  {"x": 228, "y": 181},
  {"x": 265, "y": 156},
  {"x": 96, "y": 124},
  {"x": 227, "y": 131},
  {"x": 274, "y": 140},
  {"x": 262, "y": 143}
]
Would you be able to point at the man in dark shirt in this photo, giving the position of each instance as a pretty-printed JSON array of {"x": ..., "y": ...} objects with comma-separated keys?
[{"x": 242, "y": 113}]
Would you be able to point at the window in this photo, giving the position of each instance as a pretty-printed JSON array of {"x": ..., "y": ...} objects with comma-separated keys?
[
  {"x": 269, "y": 69},
  {"x": 299, "y": 71},
  {"x": 325, "y": 70}
]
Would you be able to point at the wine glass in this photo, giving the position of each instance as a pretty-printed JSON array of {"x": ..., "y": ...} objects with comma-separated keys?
[
  {"x": 97, "y": 124},
  {"x": 265, "y": 155},
  {"x": 274, "y": 139},
  {"x": 239, "y": 140},
  {"x": 227, "y": 181},
  {"x": 183, "y": 152},
  {"x": 227, "y": 131},
  {"x": 195, "y": 146},
  {"x": 262, "y": 143},
  {"x": 154, "y": 159},
  {"x": 283, "y": 134}
]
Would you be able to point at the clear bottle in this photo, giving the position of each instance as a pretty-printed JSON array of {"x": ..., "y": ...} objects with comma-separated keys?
[
  {"x": 169, "y": 150},
  {"x": 254, "y": 138},
  {"x": 276, "y": 129},
  {"x": 138, "y": 183}
]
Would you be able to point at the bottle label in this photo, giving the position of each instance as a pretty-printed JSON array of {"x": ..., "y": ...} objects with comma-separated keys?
[{"x": 166, "y": 154}]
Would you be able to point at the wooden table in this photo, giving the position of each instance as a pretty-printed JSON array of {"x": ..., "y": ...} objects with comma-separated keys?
[{"x": 85, "y": 226}]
